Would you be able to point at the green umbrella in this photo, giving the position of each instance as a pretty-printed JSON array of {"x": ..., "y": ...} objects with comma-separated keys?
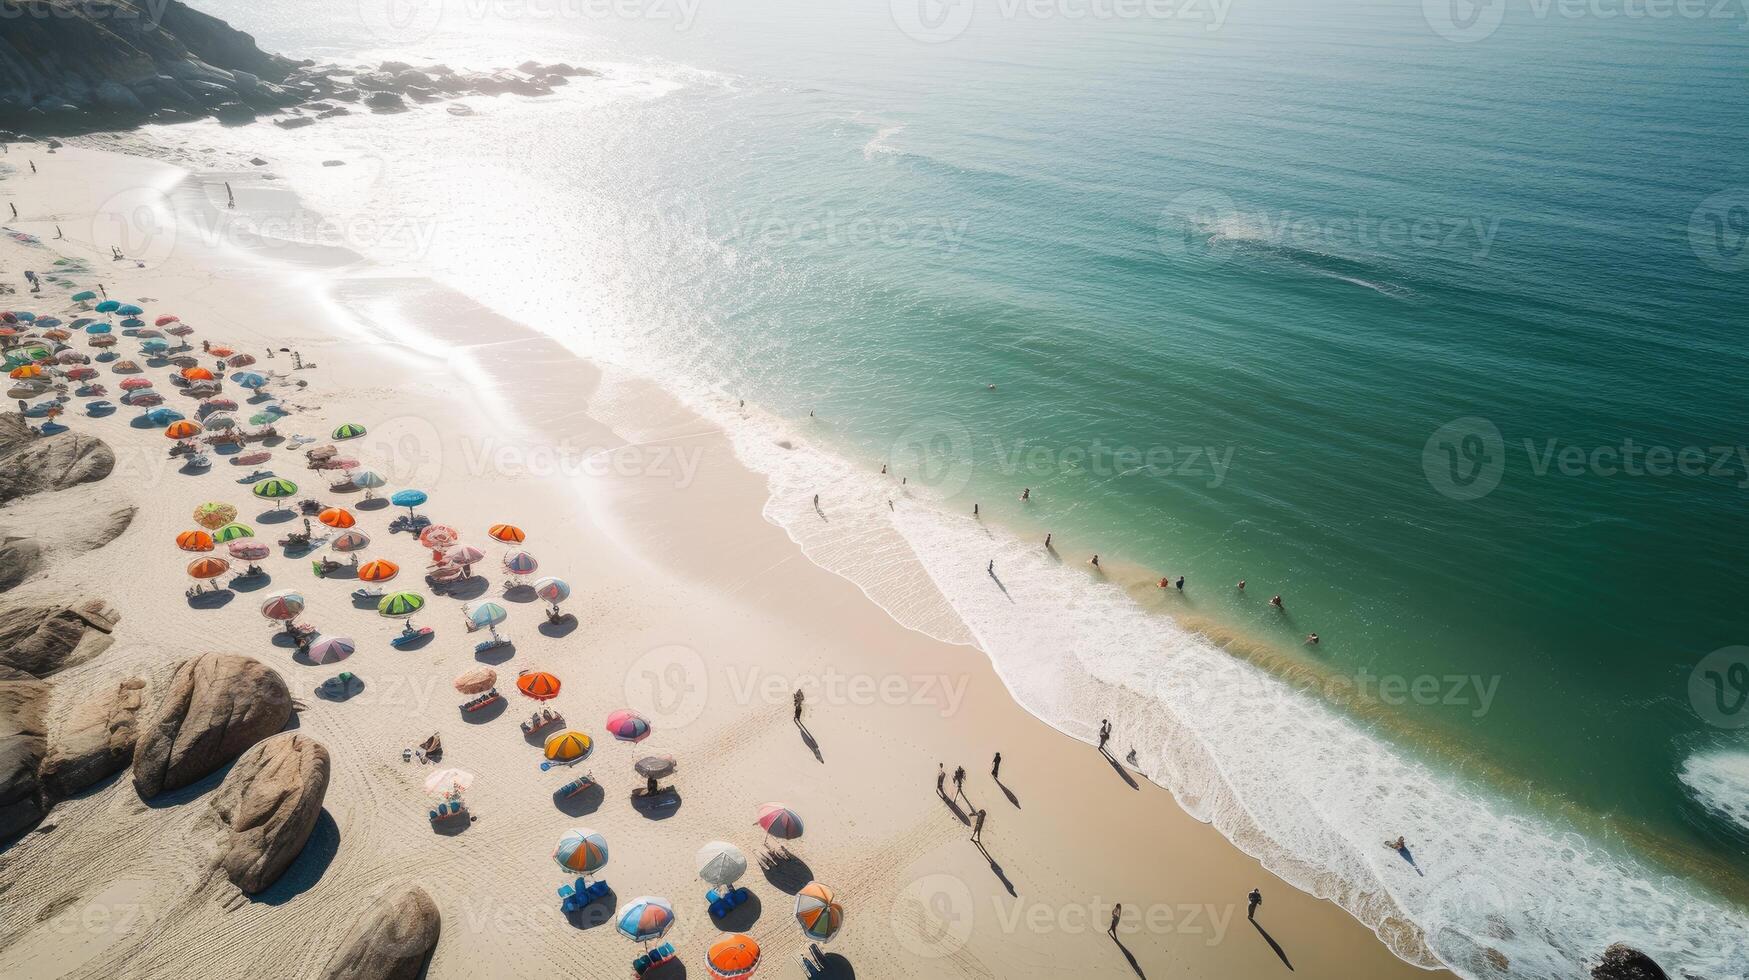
[
  {"x": 84, "y": 296},
  {"x": 263, "y": 418},
  {"x": 351, "y": 430},
  {"x": 400, "y": 605},
  {"x": 231, "y": 532},
  {"x": 274, "y": 489}
]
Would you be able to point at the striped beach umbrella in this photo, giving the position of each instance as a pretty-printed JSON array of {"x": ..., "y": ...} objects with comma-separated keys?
[
  {"x": 348, "y": 430},
  {"x": 731, "y": 958},
  {"x": 553, "y": 590},
  {"x": 26, "y": 371},
  {"x": 463, "y": 555},
  {"x": 581, "y": 850},
  {"x": 233, "y": 532},
  {"x": 249, "y": 379},
  {"x": 569, "y": 746},
  {"x": 134, "y": 384},
  {"x": 380, "y": 570},
  {"x": 182, "y": 430},
  {"x": 212, "y": 405},
  {"x": 162, "y": 416},
  {"x": 400, "y": 605},
  {"x": 779, "y": 821},
  {"x": 208, "y": 567},
  {"x": 507, "y": 533},
  {"x": 274, "y": 489},
  {"x": 282, "y": 605},
  {"x": 194, "y": 541},
  {"x": 721, "y": 863},
  {"x": 538, "y": 684},
  {"x": 520, "y": 563},
  {"x": 350, "y": 541},
  {"x": 477, "y": 680},
  {"x": 331, "y": 649},
  {"x": 818, "y": 912},
  {"x": 367, "y": 479},
  {"x": 247, "y": 550},
  {"x": 337, "y": 517},
  {"x": 628, "y": 726},
  {"x": 645, "y": 919}
]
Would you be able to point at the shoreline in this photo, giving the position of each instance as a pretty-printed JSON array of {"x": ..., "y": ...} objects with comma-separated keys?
[{"x": 694, "y": 526}]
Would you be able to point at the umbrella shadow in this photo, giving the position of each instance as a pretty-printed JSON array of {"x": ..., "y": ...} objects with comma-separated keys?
[
  {"x": 597, "y": 913},
  {"x": 830, "y": 966},
  {"x": 661, "y": 805},
  {"x": 955, "y": 807},
  {"x": 278, "y": 515},
  {"x": 346, "y": 693},
  {"x": 486, "y": 714},
  {"x": 671, "y": 969},
  {"x": 211, "y": 599},
  {"x": 786, "y": 872},
  {"x": 565, "y": 626},
  {"x": 497, "y": 654},
  {"x": 374, "y": 503},
  {"x": 742, "y": 917},
  {"x": 471, "y": 587},
  {"x": 582, "y": 804},
  {"x": 251, "y": 583},
  {"x": 309, "y": 866},
  {"x": 141, "y": 422},
  {"x": 1272, "y": 943},
  {"x": 101, "y": 412},
  {"x": 520, "y": 592},
  {"x": 418, "y": 643},
  {"x": 452, "y": 825},
  {"x": 366, "y": 602}
]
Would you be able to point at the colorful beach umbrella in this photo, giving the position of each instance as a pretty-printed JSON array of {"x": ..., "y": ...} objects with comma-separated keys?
[
  {"x": 247, "y": 550},
  {"x": 645, "y": 919},
  {"x": 349, "y": 430},
  {"x": 721, "y": 863},
  {"x": 208, "y": 567},
  {"x": 367, "y": 479},
  {"x": 350, "y": 541},
  {"x": 212, "y": 405},
  {"x": 194, "y": 541},
  {"x": 732, "y": 958},
  {"x": 520, "y": 563},
  {"x": 134, "y": 384},
  {"x": 282, "y": 605},
  {"x": 108, "y": 306},
  {"x": 477, "y": 680},
  {"x": 274, "y": 489},
  {"x": 400, "y": 605},
  {"x": 438, "y": 536},
  {"x": 263, "y": 418},
  {"x": 581, "y": 850},
  {"x": 538, "y": 684},
  {"x": 165, "y": 320},
  {"x": 628, "y": 726},
  {"x": 233, "y": 532},
  {"x": 248, "y": 379},
  {"x": 220, "y": 422},
  {"x": 182, "y": 430},
  {"x": 220, "y": 351},
  {"x": 779, "y": 821},
  {"x": 818, "y": 912},
  {"x": 569, "y": 746},
  {"x": 380, "y": 570},
  {"x": 337, "y": 517},
  {"x": 129, "y": 309},
  {"x": 507, "y": 533},
  {"x": 448, "y": 782},
  {"x": 197, "y": 374},
  {"x": 553, "y": 590},
  {"x": 125, "y": 367},
  {"x": 26, "y": 371},
  {"x": 331, "y": 649},
  {"x": 162, "y": 416},
  {"x": 463, "y": 554},
  {"x": 239, "y": 360}
]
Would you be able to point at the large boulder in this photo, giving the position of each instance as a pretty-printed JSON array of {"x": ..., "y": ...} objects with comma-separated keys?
[
  {"x": 390, "y": 941},
  {"x": 19, "y": 559},
  {"x": 22, "y": 743},
  {"x": 216, "y": 706},
  {"x": 267, "y": 807},
  {"x": 1623, "y": 962},
  {"x": 52, "y": 463},
  {"x": 98, "y": 739},
  {"x": 41, "y": 640}
]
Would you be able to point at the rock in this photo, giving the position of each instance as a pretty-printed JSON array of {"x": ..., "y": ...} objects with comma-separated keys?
[
  {"x": 394, "y": 67},
  {"x": 295, "y": 122},
  {"x": 1623, "y": 962},
  {"x": 338, "y": 110},
  {"x": 390, "y": 941},
  {"x": 529, "y": 67},
  {"x": 96, "y": 741},
  {"x": 385, "y": 101},
  {"x": 19, "y": 559},
  {"x": 345, "y": 95},
  {"x": 257, "y": 161},
  {"x": 216, "y": 706},
  {"x": 22, "y": 744},
  {"x": 31, "y": 465},
  {"x": 267, "y": 806},
  {"x": 333, "y": 163},
  {"x": 43, "y": 640},
  {"x": 459, "y": 109}
]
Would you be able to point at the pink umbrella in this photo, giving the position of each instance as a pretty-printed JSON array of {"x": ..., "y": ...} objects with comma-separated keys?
[
  {"x": 520, "y": 563},
  {"x": 248, "y": 550},
  {"x": 438, "y": 536},
  {"x": 251, "y": 459},
  {"x": 780, "y": 821},
  {"x": 463, "y": 554},
  {"x": 134, "y": 384}
]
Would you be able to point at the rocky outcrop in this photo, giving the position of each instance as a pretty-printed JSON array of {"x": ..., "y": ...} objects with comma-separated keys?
[
  {"x": 20, "y": 558},
  {"x": 267, "y": 807},
  {"x": 22, "y": 744},
  {"x": 97, "y": 740},
  {"x": 40, "y": 465},
  {"x": 83, "y": 65},
  {"x": 215, "y": 706},
  {"x": 44, "y": 640},
  {"x": 390, "y": 941},
  {"x": 1623, "y": 962}
]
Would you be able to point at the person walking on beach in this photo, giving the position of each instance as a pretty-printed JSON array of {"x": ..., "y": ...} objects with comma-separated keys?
[
  {"x": 230, "y": 198},
  {"x": 1047, "y": 540},
  {"x": 1253, "y": 900},
  {"x": 992, "y": 568},
  {"x": 58, "y": 234},
  {"x": 816, "y": 501},
  {"x": 959, "y": 781},
  {"x": 996, "y": 767},
  {"x": 1116, "y": 916},
  {"x": 978, "y": 827},
  {"x": 14, "y": 208},
  {"x": 33, "y": 166},
  {"x": 974, "y": 510},
  {"x": 798, "y": 701},
  {"x": 941, "y": 779},
  {"x": 1104, "y": 733}
]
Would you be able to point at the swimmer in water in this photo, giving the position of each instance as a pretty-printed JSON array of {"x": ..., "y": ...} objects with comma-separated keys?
[
  {"x": 1275, "y": 601},
  {"x": 1094, "y": 562},
  {"x": 1312, "y": 639}
]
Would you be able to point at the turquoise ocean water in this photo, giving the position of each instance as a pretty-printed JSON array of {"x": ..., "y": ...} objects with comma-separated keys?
[{"x": 1405, "y": 316}]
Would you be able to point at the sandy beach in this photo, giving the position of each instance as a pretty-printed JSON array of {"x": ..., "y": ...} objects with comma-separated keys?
[{"x": 689, "y": 607}]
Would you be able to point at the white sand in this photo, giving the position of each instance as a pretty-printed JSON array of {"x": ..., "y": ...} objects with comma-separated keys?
[{"x": 691, "y": 608}]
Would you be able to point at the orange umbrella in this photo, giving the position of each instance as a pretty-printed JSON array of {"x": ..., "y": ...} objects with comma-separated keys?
[
  {"x": 182, "y": 429},
  {"x": 538, "y": 684},
  {"x": 736, "y": 956},
  {"x": 27, "y": 371},
  {"x": 337, "y": 517},
  {"x": 197, "y": 374},
  {"x": 380, "y": 570},
  {"x": 194, "y": 541},
  {"x": 208, "y": 567},
  {"x": 507, "y": 533},
  {"x": 218, "y": 351}
]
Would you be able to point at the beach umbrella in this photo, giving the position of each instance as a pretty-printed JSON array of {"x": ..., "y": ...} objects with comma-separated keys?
[
  {"x": 348, "y": 430},
  {"x": 721, "y": 863},
  {"x": 337, "y": 517},
  {"x": 197, "y": 374},
  {"x": 181, "y": 330},
  {"x": 656, "y": 766},
  {"x": 129, "y": 309},
  {"x": 81, "y": 373},
  {"x": 569, "y": 746},
  {"x": 166, "y": 320},
  {"x": 263, "y": 418},
  {"x": 645, "y": 919},
  {"x": 247, "y": 550},
  {"x": 248, "y": 379},
  {"x": 380, "y": 570},
  {"x": 553, "y": 590},
  {"x": 108, "y": 306},
  {"x": 125, "y": 367},
  {"x": 448, "y": 782},
  {"x": 732, "y": 958},
  {"x": 217, "y": 405},
  {"x": 477, "y": 680},
  {"x": 84, "y": 296},
  {"x": 133, "y": 323},
  {"x": 367, "y": 480},
  {"x": 331, "y": 649},
  {"x": 628, "y": 726},
  {"x": 463, "y": 555},
  {"x": 233, "y": 532},
  {"x": 101, "y": 342},
  {"x": 148, "y": 332},
  {"x": 71, "y": 356},
  {"x": 818, "y": 912},
  {"x": 220, "y": 422},
  {"x": 240, "y": 360},
  {"x": 350, "y": 541},
  {"x": 444, "y": 573},
  {"x": 538, "y": 684},
  {"x": 400, "y": 605},
  {"x": 162, "y": 416},
  {"x": 183, "y": 429},
  {"x": 142, "y": 399},
  {"x": 408, "y": 499},
  {"x": 212, "y": 515},
  {"x": 507, "y": 533},
  {"x": 27, "y": 371},
  {"x": 217, "y": 350},
  {"x": 438, "y": 536},
  {"x": 274, "y": 489},
  {"x": 489, "y": 615},
  {"x": 208, "y": 567},
  {"x": 182, "y": 361},
  {"x": 194, "y": 541},
  {"x": 582, "y": 850},
  {"x": 283, "y": 605},
  {"x": 134, "y": 384},
  {"x": 779, "y": 821},
  {"x": 154, "y": 347},
  {"x": 520, "y": 563},
  {"x": 98, "y": 328},
  {"x": 250, "y": 459}
]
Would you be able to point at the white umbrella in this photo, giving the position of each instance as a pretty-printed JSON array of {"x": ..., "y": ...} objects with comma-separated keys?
[{"x": 721, "y": 863}]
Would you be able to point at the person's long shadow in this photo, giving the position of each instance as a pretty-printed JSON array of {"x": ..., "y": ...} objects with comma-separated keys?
[
  {"x": 1008, "y": 793},
  {"x": 1121, "y": 771},
  {"x": 1407, "y": 855},
  {"x": 955, "y": 807},
  {"x": 1272, "y": 943},
  {"x": 998, "y": 580},
  {"x": 1130, "y": 956},
  {"x": 809, "y": 741},
  {"x": 997, "y": 868}
]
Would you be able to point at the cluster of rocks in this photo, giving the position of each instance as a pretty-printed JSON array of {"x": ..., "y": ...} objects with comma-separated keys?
[{"x": 395, "y": 86}]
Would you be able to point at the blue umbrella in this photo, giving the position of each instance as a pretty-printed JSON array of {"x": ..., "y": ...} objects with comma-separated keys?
[
  {"x": 48, "y": 321},
  {"x": 408, "y": 499},
  {"x": 133, "y": 323},
  {"x": 249, "y": 379},
  {"x": 26, "y": 317},
  {"x": 163, "y": 416},
  {"x": 127, "y": 310},
  {"x": 108, "y": 306},
  {"x": 98, "y": 328},
  {"x": 154, "y": 346}
]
